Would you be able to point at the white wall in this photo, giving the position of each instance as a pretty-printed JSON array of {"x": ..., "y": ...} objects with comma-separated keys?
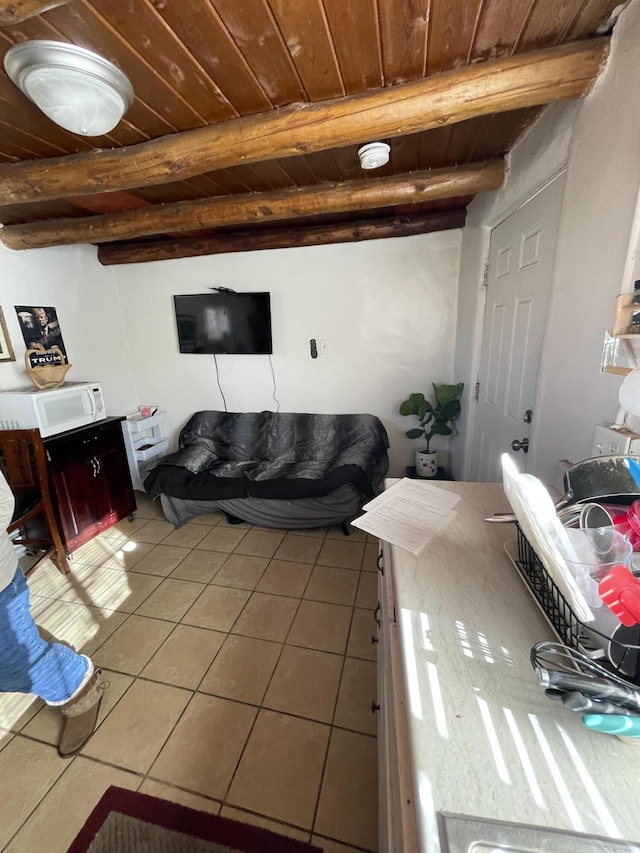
[
  {"x": 600, "y": 198},
  {"x": 386, "y": 307},
  {"x": 598, "y": 139},
  {"x": 70, "y": 279}
]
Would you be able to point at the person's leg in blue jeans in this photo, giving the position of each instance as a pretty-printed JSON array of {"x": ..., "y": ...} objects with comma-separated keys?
[{"x": 52, "y": 671}]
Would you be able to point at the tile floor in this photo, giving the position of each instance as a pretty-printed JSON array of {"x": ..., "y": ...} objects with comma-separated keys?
[{"x": 242, "y": 674}]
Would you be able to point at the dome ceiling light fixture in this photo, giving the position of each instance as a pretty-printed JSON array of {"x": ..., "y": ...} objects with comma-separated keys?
[
  {"x": 374, "y": 154},
  {"x": 74, "y": 87}
]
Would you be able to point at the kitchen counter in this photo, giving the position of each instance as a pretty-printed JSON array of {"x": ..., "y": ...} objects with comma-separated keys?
[{"x": 483, "y": 738}]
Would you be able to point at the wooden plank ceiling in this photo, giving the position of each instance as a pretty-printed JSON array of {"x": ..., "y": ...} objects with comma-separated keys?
[{"x": 210, "y": 63}]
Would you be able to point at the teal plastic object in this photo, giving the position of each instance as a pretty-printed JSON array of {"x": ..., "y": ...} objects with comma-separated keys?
[{"x": 613, "y": 724}]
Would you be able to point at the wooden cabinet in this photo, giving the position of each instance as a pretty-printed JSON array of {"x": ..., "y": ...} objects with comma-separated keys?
[{"x": 90, "y": 480}]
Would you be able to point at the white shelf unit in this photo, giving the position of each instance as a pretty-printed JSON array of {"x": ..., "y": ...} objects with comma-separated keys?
[{"x": 145, "y": 442}]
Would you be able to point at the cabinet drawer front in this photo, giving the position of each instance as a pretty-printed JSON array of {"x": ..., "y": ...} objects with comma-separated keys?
[{"x": 84, "y": 442}]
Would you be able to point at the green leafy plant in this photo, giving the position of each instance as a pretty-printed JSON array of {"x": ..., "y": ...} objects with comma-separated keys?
[{"x": 435, "y": 419}]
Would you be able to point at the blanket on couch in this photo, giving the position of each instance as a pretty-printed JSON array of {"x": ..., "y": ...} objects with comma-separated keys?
[{"x": 272, "y": 455}]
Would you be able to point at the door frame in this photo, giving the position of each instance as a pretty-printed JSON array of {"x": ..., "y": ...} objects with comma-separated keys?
[{"x": 487, "y": 227}]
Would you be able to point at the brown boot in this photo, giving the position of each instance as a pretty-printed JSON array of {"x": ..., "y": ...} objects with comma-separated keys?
[{"x": 80, "y": 716}]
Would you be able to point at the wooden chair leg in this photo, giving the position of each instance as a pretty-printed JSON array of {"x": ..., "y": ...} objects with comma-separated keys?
[
  {"x": 59, "y": 560},
  {"x": 58, "y": 557}
]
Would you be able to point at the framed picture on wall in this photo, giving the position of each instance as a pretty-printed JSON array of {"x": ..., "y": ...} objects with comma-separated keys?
[
  {"x": 39, "y": 325},
  {"x": 6, "y": 349}
]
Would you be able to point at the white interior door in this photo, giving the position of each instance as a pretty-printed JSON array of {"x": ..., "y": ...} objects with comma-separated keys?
[{"x": 520, "y": 270}]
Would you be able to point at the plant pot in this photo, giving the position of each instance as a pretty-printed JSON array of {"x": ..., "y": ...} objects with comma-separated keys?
[{"x": 426, "y": 463}]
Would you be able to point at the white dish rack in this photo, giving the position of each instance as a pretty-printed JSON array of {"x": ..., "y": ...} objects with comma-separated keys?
[{"x": 145, "y": 442}]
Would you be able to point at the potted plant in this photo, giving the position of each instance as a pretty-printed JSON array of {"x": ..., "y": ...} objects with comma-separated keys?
[{"x": 434, "y": 419}]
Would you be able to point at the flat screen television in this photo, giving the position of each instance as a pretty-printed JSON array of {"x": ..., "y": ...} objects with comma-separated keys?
[{"x": 224, "y": 323}]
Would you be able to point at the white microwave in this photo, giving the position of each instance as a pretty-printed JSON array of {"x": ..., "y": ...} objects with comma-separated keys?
[{"x": 52, "y": 410}]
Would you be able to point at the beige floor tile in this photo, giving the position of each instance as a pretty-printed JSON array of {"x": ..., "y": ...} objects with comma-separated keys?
[
  {"x": 199, "y": 566},
  {"x": 161, "y": 560},
  {"x": 267, "y": 617},
  {"x": 184, "y": 656},
  {"x": 320, "y": 626},
  {"x": 367, "y": 591},
  {"x": 93, "y": 587},
  {"x": 52, "y": 615},
  {"x": 264, "y": 823},
  {"x": 299, "y": 549},
  {"x": 358, "y": 689},
  {"x": 133, "y": 645},
  {"x": 135, "y": 730},
  {"x": 363, "y": 628},
  {"x": 32, "y": 768},
  {"x": 110, "y": 589},
  {"x": 242, "y": 669},
  {"x": 154, "y": 531},
  {"x": 125, "y": 557},
  {"x": 222, "y": 538},
  {"x": 203, "y": 750},
  {"x": 336, "y": 586},
  {"x": 341, "y": 553},
  {"x": 285, "y": 578},
  {"x": 125, "y": 528},
  {"x": 186, "y": 536},
  {"x": 280, "y": 771},
  {"x": 260, "y": 543},
  {"x": 218, "y": 607},
  {"x": 305, "y": 683},
  {"x": 132, "y": 589},
  {"x": 348, "y": 806},
  {"x": 370, "y": 559},
  {"x": 88, "y": 629},
  {"x": 96, "y": 551},
  {"x": 241, "y": 571},
  {"x": 62, "y": 813},
  {"x": 117, "y": 573},
  {"x": 355, "y": 534},
  {"x": 46, "y": 725},
  {"x": 49, "y": 582},
  {"x": 92, "y": 627},
  {"x": 175, "y": 795},
  {"x": 315, "y": 532},
  {"x": 16, "y": 709},
  {"x": 146, "y": 507},
  {"x": 171, "y": 599}
]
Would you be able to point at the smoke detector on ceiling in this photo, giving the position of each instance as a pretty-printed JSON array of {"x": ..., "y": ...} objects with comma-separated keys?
[{"x": 374, "y": 155}]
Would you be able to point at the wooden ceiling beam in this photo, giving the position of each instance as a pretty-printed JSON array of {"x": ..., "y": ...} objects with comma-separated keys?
[
  {"x": 279, "y": 238},
  {"x": 259, "y": 207},
  {"x": 15, "y": 11},
  {"x": 525, "y": 80}
]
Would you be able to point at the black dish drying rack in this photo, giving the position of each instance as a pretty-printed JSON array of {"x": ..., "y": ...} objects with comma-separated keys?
[{"x": 566, "y": 624}]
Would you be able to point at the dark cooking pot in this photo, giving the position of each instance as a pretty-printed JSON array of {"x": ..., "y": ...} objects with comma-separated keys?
[{"x": 615, "y": 479}]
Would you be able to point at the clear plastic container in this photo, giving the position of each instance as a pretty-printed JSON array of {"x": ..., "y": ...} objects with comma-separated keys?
[{"x": 627, "y": 521}]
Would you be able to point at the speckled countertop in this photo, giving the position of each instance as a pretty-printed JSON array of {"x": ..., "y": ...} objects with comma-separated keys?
[{"x": 485, "y": 740}]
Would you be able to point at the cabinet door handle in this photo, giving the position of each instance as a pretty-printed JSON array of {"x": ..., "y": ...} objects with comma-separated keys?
[
  {"x": 93, "y": 467},
  {"x": 380, "y": 563},
  {"x": 98, "y": 466},
  {"x": 374, "y": 706},
  {"x": 376, "y": 614}
]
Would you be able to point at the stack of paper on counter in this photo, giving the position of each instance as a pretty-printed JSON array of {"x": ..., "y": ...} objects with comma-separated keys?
[{"x": 408, "y": 514}]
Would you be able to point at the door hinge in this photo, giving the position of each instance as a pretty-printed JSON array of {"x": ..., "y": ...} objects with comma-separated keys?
[
  {"x": 485, "y": 277},
  {"x": 476, "y": 392}
]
